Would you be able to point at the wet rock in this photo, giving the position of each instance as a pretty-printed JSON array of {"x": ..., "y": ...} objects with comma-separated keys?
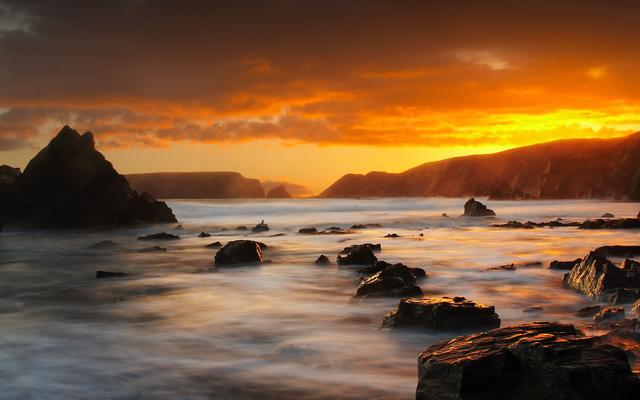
[
  {"x": 373, "y": 225},
  {"x": 623, "y": 223},
  {"x": 588, "y": 311},
  {"x": 533, "y": 310},
  {"x": 508, "y": 267},
  {"x": 214, "y": 245},
  {"x": 242, "y": 228},
  {"x": 636, "y": 307},
  {"x": 392, "y": 235},
  {"x": 358, "y": 227},
  {"x": 607, "y": 215},
  {"x": 103, "y": 245},
  {"x": 564, "y": 265},
  {"x": 619, "y": 251},
  {"x": 204, "y": 235},
  {"x": 109, "y": 274},
  {"x": 69, "y": 184},
  {"x": 261, "y": 227},
  {"x": 151, "y": 249},
  {"x": 375, "y": 247},
  {"x": 307, "y": 231},
  {"x": 394, "y": 281},
  {"x": 278, "y": 192},
  {"x": 624, "y": 296},
  {"x": 445, "y": 313},
  {"x": 358, "y": 255},
  {"x": 533, "y": 361},
  {"x": 322, "y": 260},
  {"x": 444, "y": 215},
  {"x": 240, "y": 252},
  {"x": 595, "y": 275},
  {"x": 419, "y": 273},
  {"x": 473, "y": 208},
  {"x": 514, "y": 225},
  {"x": 608, "y": 314},
  {"x": 159, "y": 236}
]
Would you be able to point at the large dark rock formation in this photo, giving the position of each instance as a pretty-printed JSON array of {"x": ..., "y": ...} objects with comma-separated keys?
[
  {"x": 595, "y": 275},
  {"x": 537, "y": 361},
  {"x": 457, "y": 313},
  {"x": 240, "y": 252},
  {"x": 473, "y": 208},
  {"x": 565, "y": 169},
  {"x": 278, "y": 192},
  {"x": 197, "y": 185},
  {"x": 69, "y": 184}
]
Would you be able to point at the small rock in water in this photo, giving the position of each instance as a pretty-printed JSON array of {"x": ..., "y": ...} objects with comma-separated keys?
[
  {"x": 608, "y": 314},
  {"x": 308, "y": 231},
  {"x": 204, "y": 234},
  {"x": 358, "y": 227},
  {"x": 159, "y": 236},
  {"x": 151, "y": 249},
  {"x": 322, "y": 260},
  {"x": 473, "y": 208},
  {"x": 240, "y": 252},
  {"x": 177, "y": 228},
  {"x": 372, "y": 246},
  {"x": 607, "y": 215},
  {"x": 564, "y": 265},
  {"x": 213, "y": 245},
  {"x": 242, "y": 228},
  {"x": 508, "y": 267},
  {"x": 445, "y": 313},
  {"x": 394, "y": 281},
  {"x": 392, "y": 235},
  {"x": 533, "y": 309},
  {"x": 444, "y": 215},
  {"x": 540, "y": 360},
  {"x": 358, "y": 255},
  {"x": 109, "y": 274},
  {"x": 103, "y": 245},
  {"x": 261, "y": 227},
  {"x": 588, "y": 311}
]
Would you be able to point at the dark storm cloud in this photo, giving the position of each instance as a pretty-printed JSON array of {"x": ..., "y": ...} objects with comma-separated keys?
[{"x": 324, "y": 72}]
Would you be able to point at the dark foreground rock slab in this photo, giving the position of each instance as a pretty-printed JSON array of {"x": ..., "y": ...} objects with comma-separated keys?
[
  {"x": 535, "y": 361},
  {"x": 70, "y": 184},
  {"x": 396, "y": 280},
  {"x": 446, "y": 313},
  {"x": 473, "y": 208},
  {"x": 240, "y": 252}
]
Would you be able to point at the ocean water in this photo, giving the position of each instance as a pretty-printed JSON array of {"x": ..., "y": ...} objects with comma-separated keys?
[{"x": 177, "y": 328}]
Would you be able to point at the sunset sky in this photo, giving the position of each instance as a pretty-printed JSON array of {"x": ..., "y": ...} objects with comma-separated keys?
[{"x": 305, "y": 91}]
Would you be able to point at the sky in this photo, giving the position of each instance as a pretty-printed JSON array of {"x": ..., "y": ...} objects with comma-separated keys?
[{"x": 306, "y": 91}]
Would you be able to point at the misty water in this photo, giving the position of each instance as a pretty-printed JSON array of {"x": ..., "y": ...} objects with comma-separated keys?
[{"x": 177, "y": 328}]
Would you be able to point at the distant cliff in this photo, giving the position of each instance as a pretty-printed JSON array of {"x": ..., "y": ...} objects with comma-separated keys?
[
  {"x": 197, "y": 185},
  {"x": 564, "y": 169}
]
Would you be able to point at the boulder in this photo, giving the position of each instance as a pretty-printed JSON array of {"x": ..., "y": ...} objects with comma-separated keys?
[
  {"x": 392, "y": 235},
  {"x": 358, "y": 255},
  {"x": 278, "y": 192},
  {"x": 608, "y": 314},
  {"x": 595, "y": 275},
  {"x": 394, "y": 281},
  {"x": 375, "y": 247},
  {"x": 214, "y": 245},
  {"x": 109, "y": 274},
  {"x": 261, "y": 227},
  {"x": 240, "y": 252},
  {"x": 607, "y": 215},
  {"x": 473, "y": 208},
  {"x": 534, "y": 361},
  {"x": 514, "y": 225},
  {"x": 322, "y": 260},
  {"x": 103, "y": 245},
  {"x": 307, "y": 231},
  {"x": 159, "y": 236},
  {"x": 69, "y": 184},
  {"x": 564, "y": 265},
  {"x": 204, "y": 235},
  {"x": 444, "y": 313}
]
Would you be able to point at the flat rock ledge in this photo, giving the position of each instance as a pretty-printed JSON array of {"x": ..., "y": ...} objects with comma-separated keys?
[
  {"x": 445, "y": 314},
  {"x": 535, "y": 361}
]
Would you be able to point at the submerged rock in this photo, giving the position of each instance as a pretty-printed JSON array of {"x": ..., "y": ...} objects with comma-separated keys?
[
  {"x": 564, "y": 265},
  {"x": 533, "y": 310},
  {"x": 109, "y": 274},
  {"x": 240, "y": 252},
  {"x": 444, "y": 313},
  {"x": 608, "y": 314},
  {"x": 394, "y": 281},
  {"x": 69, "y": 184},
  {"x": 261, "y": 227},
  {"x": 204, "y": 235},
  {"x": 535, "y": 361},
  {"x": 151, "y": 249},
  {"x": 358, "y": 255},
  {"x": 473, "y": 208},
  {"x": 623, "y": 223},
  {"x": 508, "y": 267},
  {"x": 392, "y": 235},
  {"x": 308, "y": 231},
  {"x": 214, "y": 245},
  {"x": 322, "y": 260},
  {"x": 596, "y": 275},
  {"x": 159, "y": 236},
  {"x": 242, "y": 228},
  {"x": 514, "y": 225},
  {"x": 358, "y": 227},
  {"x": 103, "y": 245},
  {"x": 607, "y": 215}
]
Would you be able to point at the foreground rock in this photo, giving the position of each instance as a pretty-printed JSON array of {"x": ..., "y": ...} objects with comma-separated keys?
[
  {"x": 159, "y": 236},
  {"x": 473, "y": 208},
  {"x": 595, "y": 275},
  {"x": 444, "y": 313},
  {"x": 358, "y": 255},
  {"x": 240, "y": 252},
  {"x": 535, "y": 361},
  {"x": 394, "y": 281},
  {"x": 69, "y": 184},
  {"x": 109, "y": 274}
]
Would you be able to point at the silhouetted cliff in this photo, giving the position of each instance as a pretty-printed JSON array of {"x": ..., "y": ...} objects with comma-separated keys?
[{"x": 564, "y": 169}]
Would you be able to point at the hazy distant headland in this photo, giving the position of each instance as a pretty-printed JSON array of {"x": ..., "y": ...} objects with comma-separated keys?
[{"x": 563, "y": 169}]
